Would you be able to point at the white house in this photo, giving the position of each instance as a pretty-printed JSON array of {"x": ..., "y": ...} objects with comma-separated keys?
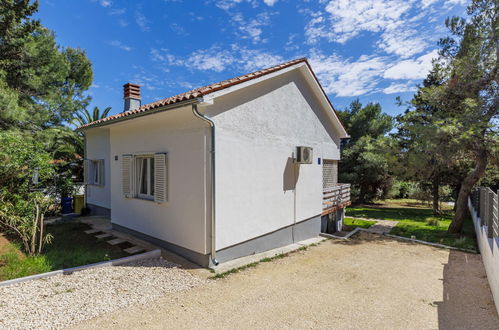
[{"x": 223, "y": 171}]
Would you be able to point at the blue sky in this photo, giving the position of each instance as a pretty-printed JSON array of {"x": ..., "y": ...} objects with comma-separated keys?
[{"x": 374, "y": 50}]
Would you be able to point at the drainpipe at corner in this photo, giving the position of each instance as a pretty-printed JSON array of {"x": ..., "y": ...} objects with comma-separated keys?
[{"x": 213, "y": 188}]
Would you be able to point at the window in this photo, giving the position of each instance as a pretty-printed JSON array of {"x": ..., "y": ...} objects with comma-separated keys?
[
  {"x": 144, "y": 167},
  {"x": 145, "y": 176},
  {"x": 329, "y": 173},
  {"x": 94, "y": 171}
]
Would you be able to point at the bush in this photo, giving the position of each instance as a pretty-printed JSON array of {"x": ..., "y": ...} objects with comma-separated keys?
[
  {"x": 402, "y": 189},
  {"x": 23, "y": 201}
]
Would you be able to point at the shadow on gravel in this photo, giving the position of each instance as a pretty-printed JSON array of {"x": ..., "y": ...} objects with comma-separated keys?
[{"x": 467, "y": 299}]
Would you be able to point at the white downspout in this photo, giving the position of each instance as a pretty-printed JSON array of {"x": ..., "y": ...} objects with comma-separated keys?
[{"x": 213, "y": 188}]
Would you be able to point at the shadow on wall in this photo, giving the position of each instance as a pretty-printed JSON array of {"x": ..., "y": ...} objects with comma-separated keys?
[
  {"x": 290, "y": 175},
  {"x": 467, "y": 299}
]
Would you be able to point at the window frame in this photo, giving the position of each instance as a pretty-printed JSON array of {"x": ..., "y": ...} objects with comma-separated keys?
[
  {"x": 138, "y": 174},
  {"x": 95, "y": 172}
]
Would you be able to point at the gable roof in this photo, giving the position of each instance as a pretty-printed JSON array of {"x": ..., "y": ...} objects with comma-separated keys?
[{"x": 201, "y": 91}]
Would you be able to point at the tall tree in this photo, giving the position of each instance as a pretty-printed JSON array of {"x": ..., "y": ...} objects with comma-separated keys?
[
  {"x": 41, "y": 84},
  {"x": 421, "y": 157},
  {"x": 467, "y": 100},
  {"x": 364, "y": 156}
]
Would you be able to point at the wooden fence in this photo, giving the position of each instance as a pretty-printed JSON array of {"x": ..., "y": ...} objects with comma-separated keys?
[{"x": 335, "y": 198}]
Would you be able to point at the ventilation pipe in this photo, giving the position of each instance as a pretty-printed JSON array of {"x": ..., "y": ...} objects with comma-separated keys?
[{"x": 213, "y": 188}]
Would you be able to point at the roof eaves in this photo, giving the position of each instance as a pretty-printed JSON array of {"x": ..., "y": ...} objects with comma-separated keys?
[{"x": 132, "y": 115}]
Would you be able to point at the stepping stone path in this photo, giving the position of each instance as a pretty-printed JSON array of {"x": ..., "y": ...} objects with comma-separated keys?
[
  {"x": 92, "y": 231},
  {"x": 134, "y": 249},
  {"x": 102, "y": 236},
  {"x": 381, "y": 226},
  {"x": 116, "y": 241}
]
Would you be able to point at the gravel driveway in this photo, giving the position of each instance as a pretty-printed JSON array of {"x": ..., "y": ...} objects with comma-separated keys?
[
  {"x": 368, "y": 282},
  {"x": 62, "y": 300}
]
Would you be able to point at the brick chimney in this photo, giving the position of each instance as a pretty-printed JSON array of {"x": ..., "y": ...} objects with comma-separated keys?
[{"x": 132, "y": 96}]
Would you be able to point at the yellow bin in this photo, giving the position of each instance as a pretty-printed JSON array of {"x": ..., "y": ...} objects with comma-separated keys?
[{"x": 79, "y": 203}]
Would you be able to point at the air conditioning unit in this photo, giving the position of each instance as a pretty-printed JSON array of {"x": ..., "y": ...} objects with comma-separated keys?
[{"x": 304, "y": 155}]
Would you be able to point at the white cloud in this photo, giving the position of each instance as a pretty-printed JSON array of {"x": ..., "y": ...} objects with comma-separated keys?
[
  {"x": 252, "y": 59},
  {"x": 227, "y": 4},
  {"x": 120, "y": 45},
  {"x": 455, "y": 2},
  {"x": 345, "y": 19},
  {"x": 401, "y": 27},
  {"x": 427, "y": 3},
  {"x": 178, "y": 29},
  {"x": 402, "y": 40},
  {"x": 348, "y": 78},
  {"x": 400, "y": 88},
  {"x": 412, "y": 69},
  {"x": 217, "y": 59},
  {"x": 122, "y": 22},
  {"x": 117, "y": 11},
  {"x": 141, "y": 21},
  {"x": 251, "y": 29},
  {"x": 105, "y": 3},
  {"x": 270, "y": 2}
]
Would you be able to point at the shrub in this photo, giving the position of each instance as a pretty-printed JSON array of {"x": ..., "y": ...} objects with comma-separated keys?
[
  {"x": 23, "y": 201},
  {"x": 433, "y": 222}
]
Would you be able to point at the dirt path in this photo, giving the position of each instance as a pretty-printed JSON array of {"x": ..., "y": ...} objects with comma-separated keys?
[{"x": 368, "y": 282}]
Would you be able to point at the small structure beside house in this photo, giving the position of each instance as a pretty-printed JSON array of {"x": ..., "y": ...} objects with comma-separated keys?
[{"x": 223, "y": 171}]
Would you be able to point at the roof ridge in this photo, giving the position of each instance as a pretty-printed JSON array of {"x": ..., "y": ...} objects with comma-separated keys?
[{"x": 198, "y": 92}]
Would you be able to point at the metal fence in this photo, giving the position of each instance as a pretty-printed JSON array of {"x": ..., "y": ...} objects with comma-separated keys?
[{"x": 486, "y": 204}]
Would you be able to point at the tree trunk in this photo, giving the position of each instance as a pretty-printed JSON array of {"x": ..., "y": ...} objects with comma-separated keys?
[
  {"x": 462, "y": 199},
  {"x": 435, "y": 194}
]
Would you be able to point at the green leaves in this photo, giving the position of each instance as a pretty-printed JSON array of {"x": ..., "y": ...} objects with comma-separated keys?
[
  {"x": 365, "y": 156},
  {"x": 41, "y": 84}
]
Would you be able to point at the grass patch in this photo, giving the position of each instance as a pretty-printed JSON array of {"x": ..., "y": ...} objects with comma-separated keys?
[
  {"x": 351, "y": 223},
  {"x": 418, "y": 220},
  {"x": 71, "y": 247}
]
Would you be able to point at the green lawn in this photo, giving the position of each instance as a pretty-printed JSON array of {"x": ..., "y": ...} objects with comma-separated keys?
[
  {"x": 417, "y": 220},
  {"x": 354, "y": 223},
  {"x": 71, "y": 247}
]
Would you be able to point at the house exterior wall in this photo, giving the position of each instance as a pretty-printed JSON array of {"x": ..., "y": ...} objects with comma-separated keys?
[
  {"x": 182, "y": 220},
  {"x": 259, "y": 188},
  {"x": 98, "y": 147}
]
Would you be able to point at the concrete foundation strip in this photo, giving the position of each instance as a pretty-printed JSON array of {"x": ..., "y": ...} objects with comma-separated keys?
[
  {"x": 353, "y": 232},
  {"x": 356, "y": 230},
  {"x": 116, "y": 262},
  {"x": 429, "y": 243}
]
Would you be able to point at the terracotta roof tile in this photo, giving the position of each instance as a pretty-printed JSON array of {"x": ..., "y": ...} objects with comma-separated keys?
[{"x": 195, "y": 93}]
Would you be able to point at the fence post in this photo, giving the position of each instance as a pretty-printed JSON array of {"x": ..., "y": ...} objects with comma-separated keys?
[
  {"x": 490, "y": 213},
  {"x": 495, "y": 216},
  {"x": 482, "y": 206}
]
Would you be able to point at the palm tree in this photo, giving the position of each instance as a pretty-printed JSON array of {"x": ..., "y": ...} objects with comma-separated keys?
[{"x": 84, "y": 116}]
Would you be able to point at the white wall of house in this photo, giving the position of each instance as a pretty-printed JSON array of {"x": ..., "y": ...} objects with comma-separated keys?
[
  {"x": 98, "y": 147},
  {"x": 489, "y": 250},
  {"x": 182, "y": 220},
  {"x": 259, "y": 189}
]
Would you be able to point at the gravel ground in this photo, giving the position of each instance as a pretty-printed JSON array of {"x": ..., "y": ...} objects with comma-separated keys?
[
  {"x": 61, "y": 300},
  {"x": 369, "y": 282}
]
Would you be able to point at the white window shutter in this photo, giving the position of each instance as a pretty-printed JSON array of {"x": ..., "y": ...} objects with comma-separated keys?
[
  {"x": 126, "y": 175},
  {"x": 101, "y": 172},
  {"x": 86, "y": 171},
  {"x": 160, "y": 178}
]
